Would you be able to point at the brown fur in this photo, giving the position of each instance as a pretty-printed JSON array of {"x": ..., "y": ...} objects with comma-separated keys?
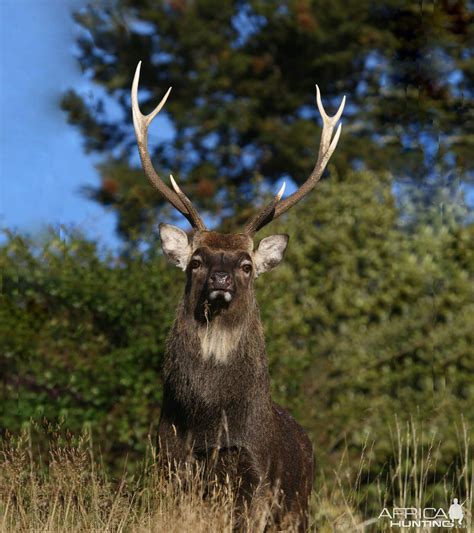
[
  {"x": 223, "y": 241},
  {"x": 221, "y": 406}
]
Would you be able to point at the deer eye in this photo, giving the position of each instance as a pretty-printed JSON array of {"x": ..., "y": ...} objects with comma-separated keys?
[
  {"x": 247, "y": 268},
  {"x": 195, "y": 263}
]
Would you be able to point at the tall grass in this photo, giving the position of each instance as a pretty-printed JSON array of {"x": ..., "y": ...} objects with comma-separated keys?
[{"x": 66, "y": 488}]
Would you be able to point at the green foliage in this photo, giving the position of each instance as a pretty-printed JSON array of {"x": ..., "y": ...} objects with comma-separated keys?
[
  {"x": 242, "y": 107},
  {"x": 83, "y": 337},
  {"x": 365, "y": 322}
]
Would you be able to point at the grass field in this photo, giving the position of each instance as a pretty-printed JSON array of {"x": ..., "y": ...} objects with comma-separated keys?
[{"x": 65, "y": 487}]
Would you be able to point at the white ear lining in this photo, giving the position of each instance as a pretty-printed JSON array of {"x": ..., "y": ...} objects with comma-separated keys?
[
  {"x": 269, "y": 253},
  {"x": 175, "y": 245}
]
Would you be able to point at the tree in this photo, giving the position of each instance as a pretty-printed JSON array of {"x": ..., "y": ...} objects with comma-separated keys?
[{"x": 242, "y": 107}]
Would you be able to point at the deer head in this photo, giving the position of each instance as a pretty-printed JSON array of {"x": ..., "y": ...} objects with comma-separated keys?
[{"x": 221, "y": 267}]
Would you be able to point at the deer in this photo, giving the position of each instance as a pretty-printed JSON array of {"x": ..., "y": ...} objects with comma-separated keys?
[{"x": 217, "y": 406}]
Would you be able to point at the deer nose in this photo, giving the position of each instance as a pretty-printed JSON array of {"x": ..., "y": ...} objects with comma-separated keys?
[{"x": 221, "y": 280}]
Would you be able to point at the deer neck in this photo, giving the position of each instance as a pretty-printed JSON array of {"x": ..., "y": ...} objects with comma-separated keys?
[{"x": 218, "y": 337}]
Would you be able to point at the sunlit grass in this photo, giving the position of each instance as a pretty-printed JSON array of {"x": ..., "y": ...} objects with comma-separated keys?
[{"x": 67, "y": 489}]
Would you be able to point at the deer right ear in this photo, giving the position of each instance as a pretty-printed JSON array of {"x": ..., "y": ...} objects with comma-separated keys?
[
  {"x": 175, "y": 245},
  {"x": 270, "y": 253}
]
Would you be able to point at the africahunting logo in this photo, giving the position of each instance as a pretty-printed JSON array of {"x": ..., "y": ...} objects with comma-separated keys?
[{"x": 409, "y": 517}]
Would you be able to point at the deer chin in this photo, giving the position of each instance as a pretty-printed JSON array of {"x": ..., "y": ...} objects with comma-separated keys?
[{"x": 220, "y": 294}]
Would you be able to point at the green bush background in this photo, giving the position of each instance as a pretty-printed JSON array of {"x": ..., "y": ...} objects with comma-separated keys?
[{"x": 367, "y": 321}]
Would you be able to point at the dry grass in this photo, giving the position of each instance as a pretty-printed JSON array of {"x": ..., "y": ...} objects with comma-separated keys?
[{"x": 70, "y": 491}]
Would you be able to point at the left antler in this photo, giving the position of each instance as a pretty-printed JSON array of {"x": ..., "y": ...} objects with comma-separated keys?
[
  {"x": 177, "y": 198},
  {"x": 277, "y": 207}
]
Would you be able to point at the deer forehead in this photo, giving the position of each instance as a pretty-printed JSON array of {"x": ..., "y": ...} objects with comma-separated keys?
[{"x": 231, "y": 242}]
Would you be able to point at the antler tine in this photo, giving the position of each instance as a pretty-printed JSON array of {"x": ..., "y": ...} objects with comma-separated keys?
[
  {"x": 326, "y": 148},
  {"x": 266, "y": 214},
  {"x": 187, "y": 202},
  {"x": 328, "y": 123},
  {"x": 140, "y": 123}
]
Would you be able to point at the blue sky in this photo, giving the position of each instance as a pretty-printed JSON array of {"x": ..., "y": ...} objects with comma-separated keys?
[{"x": 42, "y": 163}]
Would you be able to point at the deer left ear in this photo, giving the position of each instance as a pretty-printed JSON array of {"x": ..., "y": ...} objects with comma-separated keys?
[{"x": 270, "y": 252}]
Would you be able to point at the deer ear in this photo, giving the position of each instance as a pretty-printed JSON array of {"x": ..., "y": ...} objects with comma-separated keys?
[
  {"x": 175, "y": 245},
  {"x": 270, "y": 252}
]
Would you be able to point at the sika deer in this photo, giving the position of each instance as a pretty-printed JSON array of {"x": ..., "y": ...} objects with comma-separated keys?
[{"x": 217, "y": 405}]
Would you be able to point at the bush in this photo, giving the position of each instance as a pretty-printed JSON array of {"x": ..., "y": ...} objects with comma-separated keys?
[
  {"x": 83, "y": 338},
  {"x": 368, "y": 323}
]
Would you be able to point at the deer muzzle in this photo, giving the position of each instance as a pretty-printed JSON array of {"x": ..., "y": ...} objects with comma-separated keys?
[{"x": 221, "y": 285}]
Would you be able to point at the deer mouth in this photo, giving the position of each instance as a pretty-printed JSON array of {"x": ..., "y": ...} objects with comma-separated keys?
[{"x": 221, "y": 294}]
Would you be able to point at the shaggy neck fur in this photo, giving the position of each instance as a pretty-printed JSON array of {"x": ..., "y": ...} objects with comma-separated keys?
[
  {"x": 218, "y": 340},
  {"x": 217, "y": 336},
  {"x": 220, "y": 328}
]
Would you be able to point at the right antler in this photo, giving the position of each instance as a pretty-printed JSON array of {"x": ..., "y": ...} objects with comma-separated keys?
[
  {"x": 141, "y": 122},
  {"x": 277, "y": 207}
]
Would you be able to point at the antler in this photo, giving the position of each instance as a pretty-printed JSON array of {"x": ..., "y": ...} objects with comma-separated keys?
[
  {"x": 176, "y": 198},
  {"x": 277, "y": 207}
]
